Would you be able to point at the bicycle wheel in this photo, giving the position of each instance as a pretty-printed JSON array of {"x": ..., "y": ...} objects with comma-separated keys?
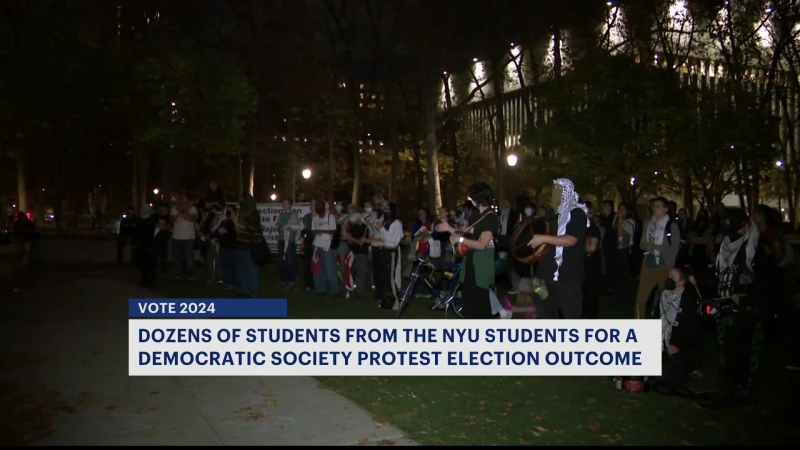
[
  {"x": 405, "y": 297},
  {"x": 455, "y": 303}
]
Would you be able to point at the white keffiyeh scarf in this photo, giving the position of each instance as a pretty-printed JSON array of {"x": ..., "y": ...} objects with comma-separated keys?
[
  {"x": 728, "y": 250},
  {"x": 670, "y": 307},
  {"x": 569, "y": 201}
]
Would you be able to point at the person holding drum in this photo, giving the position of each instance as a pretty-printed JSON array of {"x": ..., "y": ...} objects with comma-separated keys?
[
  {"x": 562, "y": 266},
  {"x": 475, "y": 241}
]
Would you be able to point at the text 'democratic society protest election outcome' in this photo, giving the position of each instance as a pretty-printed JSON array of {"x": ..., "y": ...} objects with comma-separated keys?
[{"x": 230, "y": 347}]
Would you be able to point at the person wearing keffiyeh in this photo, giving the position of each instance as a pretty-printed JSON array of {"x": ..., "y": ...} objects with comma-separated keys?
[
  {"x": 681, "y": 329},
  {"x": 563, "y": 266},
  {"x": 660, "y": 242},
  {"x": 740, "y": 332}
]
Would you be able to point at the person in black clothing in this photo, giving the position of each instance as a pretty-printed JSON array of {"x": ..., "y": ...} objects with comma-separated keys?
[
  {"x": 143, "y": 245},
  {"x": 591, "y": 283},
  {"x": 563, "y": 266},
  {"x": 609, "y": 245},
  {"x": 225, "y": 234},
  {"x": 214, "y": 194},
  {"x": 700, "y": 238},
  {"x": 162, "y": 238},
  {"x": 637, "y": 254},
  {"x": 359, "y": 241},
  {"x": 479, "y": 262},
  {"x": 127, "y": 231},
  {"x": 681, "y": 329}
]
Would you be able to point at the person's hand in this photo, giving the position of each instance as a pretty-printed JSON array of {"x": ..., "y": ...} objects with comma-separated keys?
[
  {"x": 454, "y": 238},
  {"x": 537, "y": 240},
  {"x": 692, "y": 279},
  {"x": 672, "y": 350},
  {"x": 736, "y": 298}
]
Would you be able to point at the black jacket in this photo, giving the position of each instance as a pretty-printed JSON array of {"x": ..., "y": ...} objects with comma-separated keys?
[
  {"x": 144, "y": 233},
  {"x": 127, "y": 227},
  {"x": 687, "y": 331}
]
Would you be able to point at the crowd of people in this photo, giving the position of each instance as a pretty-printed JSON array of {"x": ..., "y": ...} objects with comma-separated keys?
[
  {"x": 723, "y": 256},
  {"x": 229, "y": 238}
]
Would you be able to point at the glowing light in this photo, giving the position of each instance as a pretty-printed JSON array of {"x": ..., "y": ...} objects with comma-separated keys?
[
  {"x": 306, "y": 173},
  {"x": 173, "y": 103},
  {"x": 633, "y": 181},
  {"x": 474, "y": 59},
  {"x": 512, "y": 160},
  {"x": 273, "y": 197},
  {"x": 155, "y": 191},
  {"x": 778, "y": 163}
]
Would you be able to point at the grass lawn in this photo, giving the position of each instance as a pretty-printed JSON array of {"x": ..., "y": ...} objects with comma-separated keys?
[{"x": 533, "y": 410}]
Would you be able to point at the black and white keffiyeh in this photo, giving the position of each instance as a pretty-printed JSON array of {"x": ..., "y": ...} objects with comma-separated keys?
[{"x": 569, "y": 201}]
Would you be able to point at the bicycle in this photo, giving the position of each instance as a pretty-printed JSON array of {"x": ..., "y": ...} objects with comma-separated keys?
[{"x": 449, "y": 298}]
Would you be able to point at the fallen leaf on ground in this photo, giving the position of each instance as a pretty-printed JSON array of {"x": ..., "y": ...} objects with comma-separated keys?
[
  {"x": 385, "y": 443},
  {"x": 595, "y": 426},
  {"x": 363, "y": 441},
  {"x": 379, "y": 424},
  {"x": 268, "y": 402}
]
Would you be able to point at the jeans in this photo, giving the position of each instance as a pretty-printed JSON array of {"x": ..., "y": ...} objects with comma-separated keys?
[
  {"x": 227, "y": 265},
  {"x": 287, "y": 261},
  {"x": 247, "y": 271},
  {"x": 183, "y": 256},
  {"x": 327, "y": 280},
  {"x": 213, "y": 271}
]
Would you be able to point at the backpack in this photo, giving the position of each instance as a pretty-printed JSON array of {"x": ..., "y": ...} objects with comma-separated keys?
[{"x": 668, "y": 231}]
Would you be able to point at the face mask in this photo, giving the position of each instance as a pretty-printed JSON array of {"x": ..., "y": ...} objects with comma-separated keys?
[
  {"x": 528, "y": 212},
  {"x": 670, "y": 284},
  {"x": 338, "y": 208},
  {"x": 368, "y": 210}
]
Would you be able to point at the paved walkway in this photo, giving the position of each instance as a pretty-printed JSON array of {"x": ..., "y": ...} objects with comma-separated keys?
[{"x": 70, "y": 337}]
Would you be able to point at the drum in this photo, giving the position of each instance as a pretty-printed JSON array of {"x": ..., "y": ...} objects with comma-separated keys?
[
  {"x": 460, "y": 249},
  {"x": 523, "y": 234}
]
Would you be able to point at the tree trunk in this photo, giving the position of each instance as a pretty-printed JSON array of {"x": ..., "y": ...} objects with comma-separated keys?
[
  {"x": 394, "y": 147},
  {"x": 418, "y": 181},
  {"x": 500, "y": 133},
  {"x": 356, "y": 173},
  {"x": 250, "y": 181},
  {"x": 135, "y": 198},
  {"x": 22, "y": 184},
  {"x": 140, "y": 171},
  {"x": 431, "y": 146},
  {"x": 331, "y": 161},
  {"x": 291, "y": 160},
  {"x": 61, "y": 185},
  {"x": 688, "y": 198}
]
